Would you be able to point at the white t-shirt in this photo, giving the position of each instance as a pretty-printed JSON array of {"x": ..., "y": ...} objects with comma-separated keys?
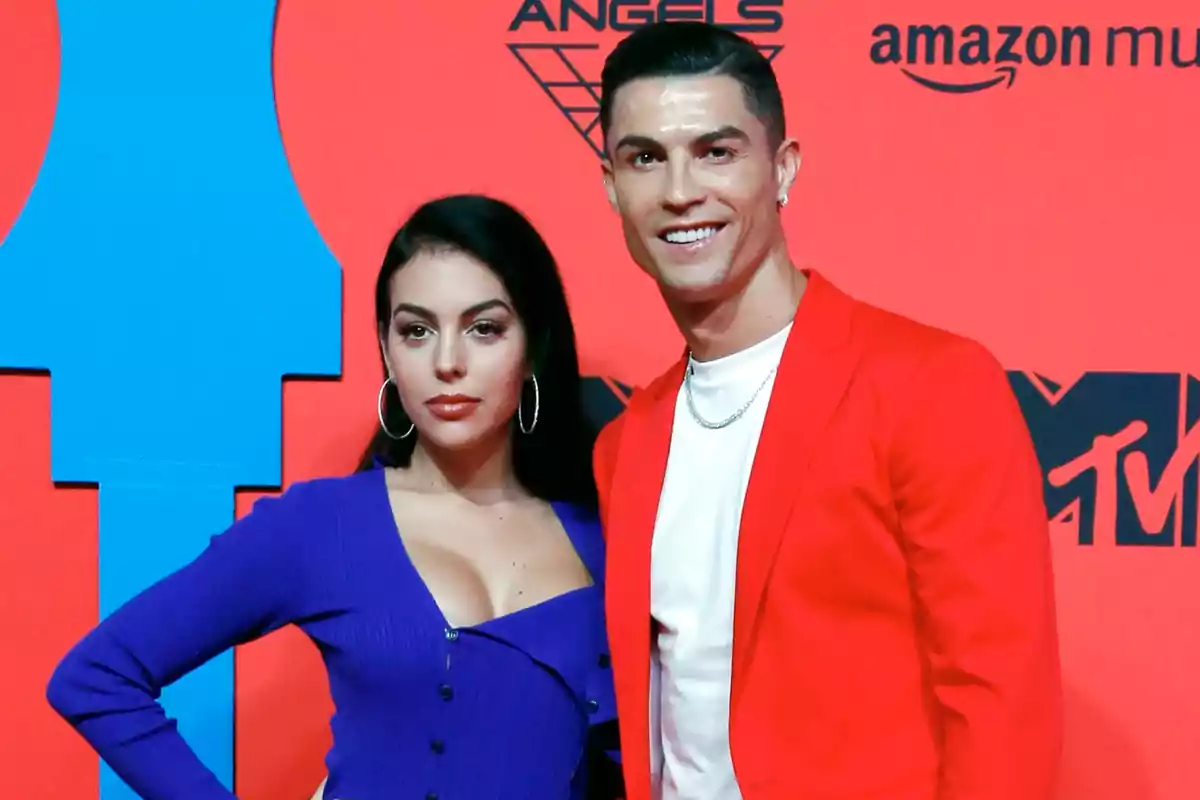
[{"x": 694, "y": 568}]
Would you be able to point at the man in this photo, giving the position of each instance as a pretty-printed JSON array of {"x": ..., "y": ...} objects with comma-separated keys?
[{"x": 829, "y": 567}]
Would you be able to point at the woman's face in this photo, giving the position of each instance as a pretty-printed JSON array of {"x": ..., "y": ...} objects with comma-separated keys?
[{"x": 455, "y": 349}]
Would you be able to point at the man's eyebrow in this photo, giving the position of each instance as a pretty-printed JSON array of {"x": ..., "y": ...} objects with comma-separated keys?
[
  {"x": 724, "y": 132},
  {"x": 641, "y": 142}
]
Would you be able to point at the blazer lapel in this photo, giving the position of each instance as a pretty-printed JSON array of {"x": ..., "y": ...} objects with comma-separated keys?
[
  {"x": 815, "y": 370},
  {"x": 636, "y": 485}
]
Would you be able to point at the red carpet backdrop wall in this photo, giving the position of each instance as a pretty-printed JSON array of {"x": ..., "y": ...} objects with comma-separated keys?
[{"x": 1021, "y": 172}]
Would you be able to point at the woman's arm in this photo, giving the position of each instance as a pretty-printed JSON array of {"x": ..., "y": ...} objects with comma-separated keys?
[{"x": 246, "y": 583}]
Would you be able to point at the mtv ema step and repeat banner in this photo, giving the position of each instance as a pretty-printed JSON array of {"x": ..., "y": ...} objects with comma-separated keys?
[{"x": 194, "y": 198}]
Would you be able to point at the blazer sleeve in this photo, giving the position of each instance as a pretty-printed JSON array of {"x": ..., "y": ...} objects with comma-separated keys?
[
  {"x": 974, "y": 526},
  {"x": 604, "y": 463},
  {"x": 245, "y": 584}
]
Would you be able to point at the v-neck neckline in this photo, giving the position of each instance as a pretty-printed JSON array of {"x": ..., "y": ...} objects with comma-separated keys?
[{"x": 430, "y": 600}]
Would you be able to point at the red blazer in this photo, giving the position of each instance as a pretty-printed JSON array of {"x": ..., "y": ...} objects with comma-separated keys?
[{"x": 894, "y": 627}]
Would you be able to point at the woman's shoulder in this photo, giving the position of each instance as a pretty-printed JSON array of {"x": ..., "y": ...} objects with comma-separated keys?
[
  {"x": 318, "y": 498},
  {"x": 306, "y": 519},
  {"x": 337, "y": 487},
  {"x": 578, "y": 515},
  {"x": 582, "y": 524}
]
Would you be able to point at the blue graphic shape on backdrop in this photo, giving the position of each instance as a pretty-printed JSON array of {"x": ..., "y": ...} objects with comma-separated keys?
[{"x": 166, "y": 272}]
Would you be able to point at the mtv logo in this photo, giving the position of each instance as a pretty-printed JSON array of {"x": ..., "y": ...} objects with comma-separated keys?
[
  {"x": 569, "y": 74},
  {"x": 603, "y": 400},
  {"x": 1120, "y": 453}
]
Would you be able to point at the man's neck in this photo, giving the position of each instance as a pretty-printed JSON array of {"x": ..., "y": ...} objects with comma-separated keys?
[{"x": 757, "y": 310}]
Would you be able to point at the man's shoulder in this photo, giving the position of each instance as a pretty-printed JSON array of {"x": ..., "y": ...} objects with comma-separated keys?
[
  {"x": 660, "y": 389},
  {"x": 933, "y": 390},
  {"x": 607, "y": 441},
  {"x": 903, "y": 347},
  {"x": 611, "y": 431}
]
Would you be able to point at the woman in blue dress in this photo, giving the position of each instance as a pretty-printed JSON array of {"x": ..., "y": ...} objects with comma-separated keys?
[{"x": 453, "y": 585}]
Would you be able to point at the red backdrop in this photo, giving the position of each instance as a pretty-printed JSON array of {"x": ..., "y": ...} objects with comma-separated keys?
[{"x": 1051, "y": 216}]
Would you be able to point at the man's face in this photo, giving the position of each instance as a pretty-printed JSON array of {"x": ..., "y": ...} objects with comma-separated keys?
[{"x": 692, "y": 172}]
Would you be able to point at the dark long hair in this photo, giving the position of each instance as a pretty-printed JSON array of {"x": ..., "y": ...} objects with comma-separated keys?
[{"x": 555, "y": 461}]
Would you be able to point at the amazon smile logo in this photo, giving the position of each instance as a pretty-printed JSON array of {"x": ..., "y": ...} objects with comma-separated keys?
[{"x": 978, "y": 57}]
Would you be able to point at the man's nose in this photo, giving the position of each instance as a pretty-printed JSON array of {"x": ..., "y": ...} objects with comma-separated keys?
[{"x": 682, "y": 190}]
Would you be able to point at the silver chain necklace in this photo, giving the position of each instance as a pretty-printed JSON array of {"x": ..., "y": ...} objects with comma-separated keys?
[{"x": 732, "y": 418}]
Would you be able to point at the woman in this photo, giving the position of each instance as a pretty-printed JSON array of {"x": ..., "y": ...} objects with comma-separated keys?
[{"x": 452, "y": 585}]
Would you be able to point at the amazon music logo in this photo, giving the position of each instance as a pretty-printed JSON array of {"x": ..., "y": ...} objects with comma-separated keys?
[
  {"x": 978, "y": 57},
  {"x": 560, "y": 45}
]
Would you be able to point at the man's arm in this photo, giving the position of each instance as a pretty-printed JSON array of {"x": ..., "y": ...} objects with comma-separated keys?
[
  {"x": 974, "y": 526},
  {"x": 604, "y": 463},
  {"x": 607, "y": 779}
]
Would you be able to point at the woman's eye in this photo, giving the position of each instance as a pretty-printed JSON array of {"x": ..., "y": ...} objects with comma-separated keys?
[
  {"x": 487, "y": 329},
  {"x": 414, "y": 331}
]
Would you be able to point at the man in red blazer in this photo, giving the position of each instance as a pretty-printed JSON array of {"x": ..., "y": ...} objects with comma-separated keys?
[{"x": 829, "y": 570}]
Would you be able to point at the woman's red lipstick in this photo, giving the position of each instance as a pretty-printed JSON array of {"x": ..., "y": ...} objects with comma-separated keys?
[{"x": 452, "y": 407}]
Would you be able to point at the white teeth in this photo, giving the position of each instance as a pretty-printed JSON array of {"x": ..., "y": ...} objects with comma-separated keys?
[{"x": 690, "y": 235}]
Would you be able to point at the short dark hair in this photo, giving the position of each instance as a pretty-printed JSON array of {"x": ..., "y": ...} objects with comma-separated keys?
[
  {"x": 671, "y": 49},
  {"x": 554, "y": 462}
]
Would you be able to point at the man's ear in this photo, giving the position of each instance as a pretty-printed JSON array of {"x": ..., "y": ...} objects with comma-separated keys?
[
  {"x": 606, "y": 171},
  {"x": 787, "y": 165}
]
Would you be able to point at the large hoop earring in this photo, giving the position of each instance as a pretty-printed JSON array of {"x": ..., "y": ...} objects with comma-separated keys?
[
  {"x": 379, "y": 406},
  {"x": 537, "y": 407}
]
